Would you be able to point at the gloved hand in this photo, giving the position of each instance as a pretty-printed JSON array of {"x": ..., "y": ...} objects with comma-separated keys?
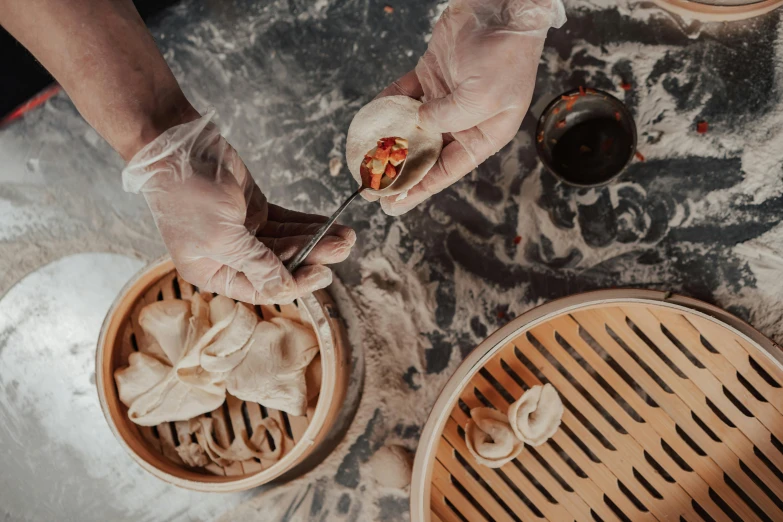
[
  {"x": 476, "y": 79},
  {"x": 222, "y": 234}
]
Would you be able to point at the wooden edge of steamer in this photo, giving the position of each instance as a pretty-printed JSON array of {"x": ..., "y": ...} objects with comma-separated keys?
[
  {"x": 318, "y": 308},
  {"x": 428, "y": 443},
  {"x": 718, "y": 13}
]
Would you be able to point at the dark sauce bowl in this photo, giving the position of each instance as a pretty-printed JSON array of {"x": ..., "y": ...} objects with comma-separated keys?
[{"x": 586, "y": 138}]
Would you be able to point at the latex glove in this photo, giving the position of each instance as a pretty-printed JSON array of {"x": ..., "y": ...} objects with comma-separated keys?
[
  {"x": 222, "y": 234},
  {"x": 476, "y": 79}
]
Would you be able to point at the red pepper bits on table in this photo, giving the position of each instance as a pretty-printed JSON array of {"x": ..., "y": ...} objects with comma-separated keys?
[
  {"x": 702, "y": 127},
  {"x": 639, "y": 155},
  {"x": 517, "y": 240},
  {"x": 626, "y": 86},
  {"x": 388, "y": 9},
  {"x": 383, "y": 161}
]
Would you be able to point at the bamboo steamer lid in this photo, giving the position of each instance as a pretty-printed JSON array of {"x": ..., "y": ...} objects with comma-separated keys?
[
  {"x": 674, "y": 411},
  {"x": 720, "y": 10}
]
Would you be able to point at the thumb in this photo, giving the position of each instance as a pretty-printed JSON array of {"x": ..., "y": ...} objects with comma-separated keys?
[{"x": 455, "y": 112}]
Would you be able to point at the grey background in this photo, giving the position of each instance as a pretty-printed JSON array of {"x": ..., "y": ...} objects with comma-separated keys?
[{"x": 286, "y": 77}]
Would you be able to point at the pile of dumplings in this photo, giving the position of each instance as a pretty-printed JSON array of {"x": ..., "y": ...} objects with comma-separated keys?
[
  {"x": 200, "y": 350},
  {"x": 495, "y": 439}
]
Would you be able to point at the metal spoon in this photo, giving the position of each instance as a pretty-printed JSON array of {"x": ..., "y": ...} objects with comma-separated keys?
[{"x": 300, "y": 257}]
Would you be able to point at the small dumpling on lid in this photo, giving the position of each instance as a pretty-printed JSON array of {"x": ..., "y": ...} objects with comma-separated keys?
[
  {"x": 490, "y": 439},
  {"x": 536, "y": 416}
]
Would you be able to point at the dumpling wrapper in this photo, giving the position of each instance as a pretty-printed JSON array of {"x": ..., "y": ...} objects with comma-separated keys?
[
  {"x": 167, "y": 323},
  {"x": 219, "y": 349},
  {"x": 243, "y": 447},
  {"x": 193, "y": 455},
  {"x": 172, "y": 400},
  {"x": 231, "y": 344},
  {"x": 142, "y": 374},
  {"x": 273, "y": 371},
  {"x": 490, "y": 439},
  {"x": 536, "y": 416},
  {"x": 392, "y": 117},
  {"x": 176, "y": 389},
  {"x": 220, "y": 307}
]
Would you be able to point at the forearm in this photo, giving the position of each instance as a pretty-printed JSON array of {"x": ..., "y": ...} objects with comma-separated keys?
[{"x": 106, "y": 60}]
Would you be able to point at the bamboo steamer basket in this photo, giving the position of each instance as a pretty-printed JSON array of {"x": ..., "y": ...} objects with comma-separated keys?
[
  {"x": 717, "y": 11},
  {"x": 674, "y": 411},
  {"x": 154, "y": 448}
]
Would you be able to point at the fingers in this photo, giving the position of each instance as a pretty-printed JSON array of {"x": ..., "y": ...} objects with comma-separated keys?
[
  {"x": 457, "y": 111},
  {"x": 284, "y": 215},
  {"x": 408, "y": 85},
  {"x": 246, "y": 254},
  {"x": 458, "y": 158},
  {"x": 328, "y": 251},
  {"x": 235, "y": 285},
  {"x": 273, "y": 229},
  {"x": 311, "y": 278}
]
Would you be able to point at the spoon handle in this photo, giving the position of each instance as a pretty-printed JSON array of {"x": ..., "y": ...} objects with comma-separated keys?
[{"x": 299, "y": 258}]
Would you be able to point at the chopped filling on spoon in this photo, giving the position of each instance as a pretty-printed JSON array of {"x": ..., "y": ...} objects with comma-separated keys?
[{"x": 383, "y": 163}]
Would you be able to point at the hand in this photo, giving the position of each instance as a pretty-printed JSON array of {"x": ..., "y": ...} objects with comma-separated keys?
[
  {"x": 476, "y": 79},
  {"x": 222, "y": 234}
]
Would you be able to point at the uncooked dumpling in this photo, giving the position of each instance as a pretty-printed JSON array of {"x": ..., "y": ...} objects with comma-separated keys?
[
  {"x": 273, "y": 371},
  {"x": 392, "y": 116},
  {"x": 175, "y": 388},
  {"x": 167, "y": 323},
  {"x": 192, "y": 455},
  {"x": 535, "y": 417},
  {"x": 172, "y": 400},
  {"x": 230, "y": 345},
  {"x": 490, "y": 439},
  {"x": 243, "y": 447},
  {"x": 142, "y": 374}
]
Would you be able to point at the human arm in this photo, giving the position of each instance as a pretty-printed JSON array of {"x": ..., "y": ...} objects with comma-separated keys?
[
  {"x": 217, "y": 225},
  {"x": 104, "y": 57},
  {"x": 476, "y": 79}
]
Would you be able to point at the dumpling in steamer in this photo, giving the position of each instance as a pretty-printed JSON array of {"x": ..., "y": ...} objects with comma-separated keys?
[
  {"x": 392, "y": 116},
  {"x": 490, "y": 438},
  {"x": 536, "y": 416},
  {"x": 273, "y": 371}
]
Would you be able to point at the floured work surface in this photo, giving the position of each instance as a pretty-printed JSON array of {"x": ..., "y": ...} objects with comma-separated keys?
[
  {"x": 233, "y": 415},
  {"x": 669, "y": 416}
]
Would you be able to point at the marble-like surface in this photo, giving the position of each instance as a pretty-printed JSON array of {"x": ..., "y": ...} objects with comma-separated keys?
[{"x": 700, "y": 216}]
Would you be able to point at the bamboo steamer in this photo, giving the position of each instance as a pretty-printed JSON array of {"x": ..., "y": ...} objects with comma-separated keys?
[
  {"x": 674, "y": 411},
  {"x": 154, "y": 448},
  {"x": 719, "y": 11}
]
